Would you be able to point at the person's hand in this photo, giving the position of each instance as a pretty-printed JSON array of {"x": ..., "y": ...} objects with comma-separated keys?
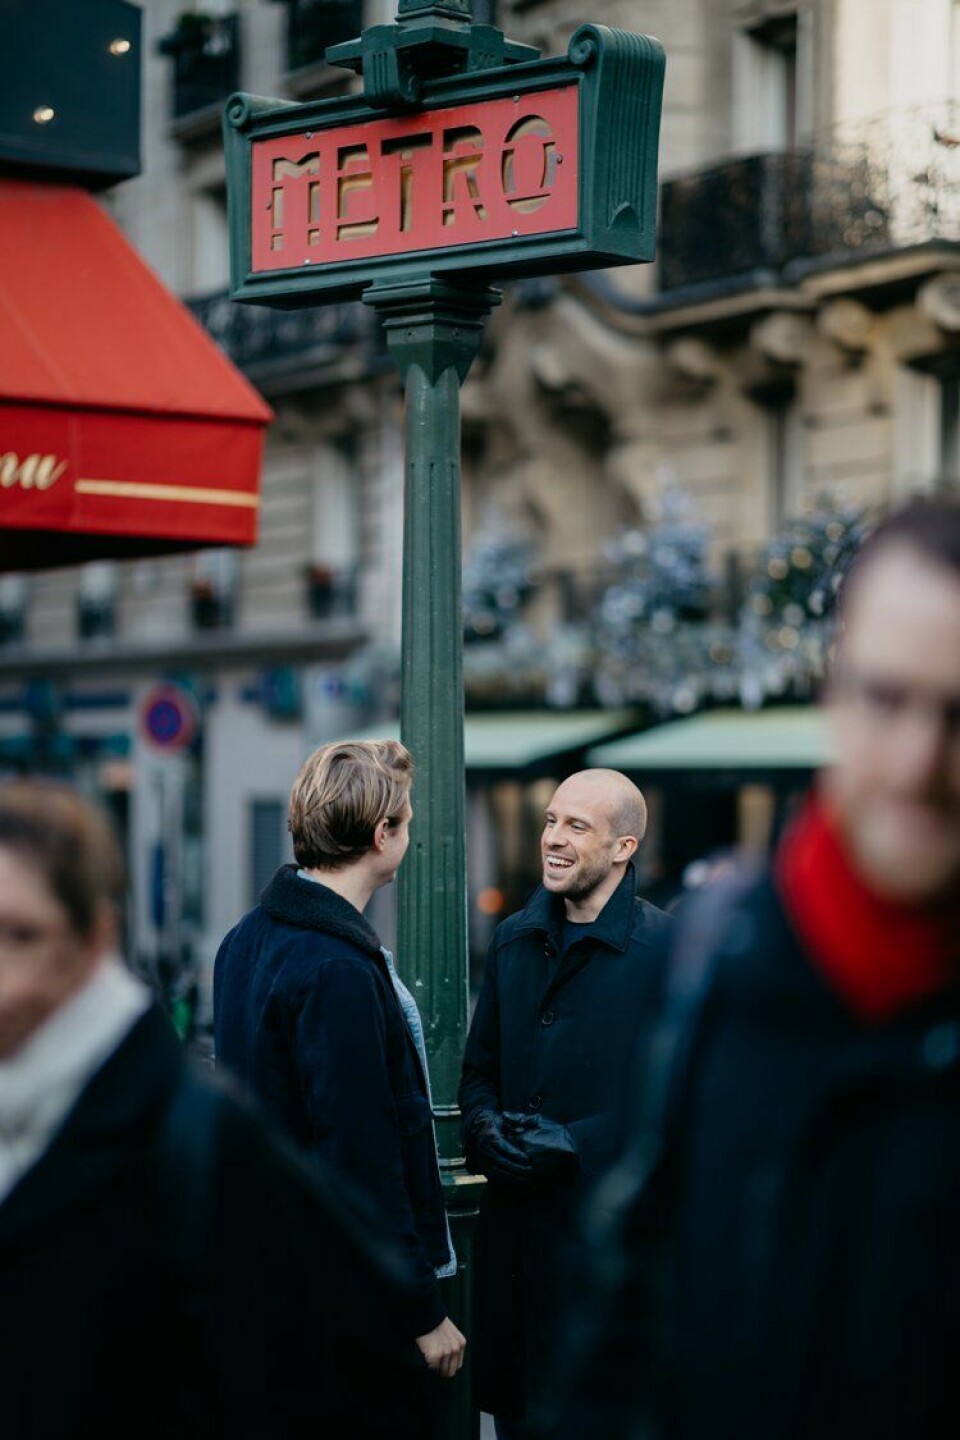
[
  {"x": 495, "y": 1155},
  {"x": 443, "y": 1349},
  {"x": 548, "y": 1145}
]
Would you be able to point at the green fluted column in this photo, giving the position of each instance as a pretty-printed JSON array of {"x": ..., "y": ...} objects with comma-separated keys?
[{"x": 433, "y": 332}]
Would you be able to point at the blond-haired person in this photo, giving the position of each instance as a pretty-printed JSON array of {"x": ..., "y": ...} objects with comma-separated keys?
[{"x": 311, "y": 1016}]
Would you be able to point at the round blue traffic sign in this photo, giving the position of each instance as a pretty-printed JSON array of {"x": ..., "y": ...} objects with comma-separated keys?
[{"x": 169, "y": 717}]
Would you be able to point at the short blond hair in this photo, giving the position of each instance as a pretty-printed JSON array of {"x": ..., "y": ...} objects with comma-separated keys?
[{"x": 340, "y": 796}]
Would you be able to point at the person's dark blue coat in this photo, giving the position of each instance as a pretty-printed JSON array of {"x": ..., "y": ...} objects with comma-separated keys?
[
  {"x": 306, "y": 1016},
  {"x": 554, "y": 1035},
  {"x": 169, "y": 1271}
]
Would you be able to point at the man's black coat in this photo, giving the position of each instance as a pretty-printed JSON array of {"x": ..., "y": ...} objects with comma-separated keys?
[
  {"x": 306, "y": 1017},
  {"x": 554, "y": 1033},
  {"x": 159, "y": 1286},
  {"x": 810, "y": 1196}
]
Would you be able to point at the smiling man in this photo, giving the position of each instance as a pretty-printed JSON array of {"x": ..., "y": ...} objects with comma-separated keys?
[{"x": 569, "y": 982}]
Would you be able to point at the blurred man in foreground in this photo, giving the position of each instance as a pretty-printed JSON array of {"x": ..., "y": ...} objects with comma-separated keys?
[
  {"x": 795, "y": 1170},
  {"x": 165, "y": 1271},
  {"x": 568, "y": 983}
]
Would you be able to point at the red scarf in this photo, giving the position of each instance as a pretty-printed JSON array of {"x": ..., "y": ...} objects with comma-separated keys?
[{"x": 880, "y": 955}]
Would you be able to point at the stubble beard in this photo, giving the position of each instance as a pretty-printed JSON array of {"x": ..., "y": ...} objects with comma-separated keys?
[{"x": 587, "y": 882}]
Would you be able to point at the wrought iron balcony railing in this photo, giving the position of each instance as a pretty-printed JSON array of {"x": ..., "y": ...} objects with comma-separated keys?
[
  {"x": 205, "y": 50},
  {"x": 875, "y": 188},
  {"x": 268, "y": 344}
]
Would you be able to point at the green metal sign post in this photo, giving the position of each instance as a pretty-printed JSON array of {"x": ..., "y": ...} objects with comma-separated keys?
[{"x": 465, "y": 160}]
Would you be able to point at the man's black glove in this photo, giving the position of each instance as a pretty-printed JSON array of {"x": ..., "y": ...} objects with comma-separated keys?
[
  {"x": 550, "y": 1147},
  {"x": 491, "y": 1152}
]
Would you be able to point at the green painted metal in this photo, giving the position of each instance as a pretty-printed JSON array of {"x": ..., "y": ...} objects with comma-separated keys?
[
  {"x": 433, "y": 331},
  {"x": 428, "y": 40},
  {"x": 620, "y": 81}
]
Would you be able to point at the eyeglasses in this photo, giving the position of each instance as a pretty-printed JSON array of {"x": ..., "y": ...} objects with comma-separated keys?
[{"x": 888, "y": 703}]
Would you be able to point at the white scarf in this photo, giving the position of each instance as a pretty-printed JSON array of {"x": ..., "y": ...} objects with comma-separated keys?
[{"x": 42, "y": 1080}]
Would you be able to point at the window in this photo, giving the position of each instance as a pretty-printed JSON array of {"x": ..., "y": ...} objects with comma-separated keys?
[
  {"x": 97, "y": 601},
  {"x": 332, "y": 573},
  {"x": 314, "y": 25},
  {"x": 949, "y": 467},
  {"x": 784, "y": 479},
  {"x": 770, "y": 86},
  {"x": 213, "y": 590},
  {"x": 205, "y": 50},
  {"x": 269, "y": 844},
  {"x": 13, "y": 609}
]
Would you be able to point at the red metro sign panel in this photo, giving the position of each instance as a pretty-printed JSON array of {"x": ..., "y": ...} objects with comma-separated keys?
[
  {"x": 528, "y": 169},
  {"x": 495, "y": 170}
]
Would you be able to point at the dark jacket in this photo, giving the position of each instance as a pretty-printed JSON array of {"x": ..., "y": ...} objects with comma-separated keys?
[
  {"x": 556, "y": 1035},
  {"x": 808, "y": 1214},
  {"x": 162, "y": 1281},
  {"x": 307, "y": 1018}
]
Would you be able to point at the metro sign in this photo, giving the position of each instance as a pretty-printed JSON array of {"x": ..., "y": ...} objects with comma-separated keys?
[
  {"x": 491, "y": 171},
  {"x": 532, "y": 169}
]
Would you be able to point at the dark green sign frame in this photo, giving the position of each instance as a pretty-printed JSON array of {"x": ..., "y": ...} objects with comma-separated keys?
[{"x": 620, "y": 81}]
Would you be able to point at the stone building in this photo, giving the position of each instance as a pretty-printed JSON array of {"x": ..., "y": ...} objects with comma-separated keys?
[{"x": 798, "y": 336}]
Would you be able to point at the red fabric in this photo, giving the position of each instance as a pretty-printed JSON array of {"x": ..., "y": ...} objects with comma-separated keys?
[
  {"x": 154, "y": 438},
  {"x": 86, "y": 322},
  {"x": 880, "y": 955}
]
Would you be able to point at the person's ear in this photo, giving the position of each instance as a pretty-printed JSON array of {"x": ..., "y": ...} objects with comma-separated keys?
[
  {"x": 380, "y": 834},
  {"x": 627, "y": 847}
]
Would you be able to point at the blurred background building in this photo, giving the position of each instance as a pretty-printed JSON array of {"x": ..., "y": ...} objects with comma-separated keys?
[{"x": 665, "y": 468}]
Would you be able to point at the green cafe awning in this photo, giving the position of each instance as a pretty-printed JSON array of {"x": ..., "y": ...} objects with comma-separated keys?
[
  {"x": 740, "y": 742},
  {"x": 534, "y": 742}
]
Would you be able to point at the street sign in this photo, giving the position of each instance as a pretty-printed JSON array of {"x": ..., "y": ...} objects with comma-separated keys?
[
  {"x": 168, "y": 718},
  {"x": 541, "y": 167},
  {"x": 416, "y": 197}
]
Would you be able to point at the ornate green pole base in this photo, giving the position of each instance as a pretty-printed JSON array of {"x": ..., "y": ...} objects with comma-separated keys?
[{"x": 433, "y": 331}]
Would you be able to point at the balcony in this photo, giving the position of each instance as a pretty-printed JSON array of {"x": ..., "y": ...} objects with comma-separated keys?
[
  {"x": 205, "y": 50},
  {"x": 882, "y": 187},
  {"x": 276, "y": 348}
]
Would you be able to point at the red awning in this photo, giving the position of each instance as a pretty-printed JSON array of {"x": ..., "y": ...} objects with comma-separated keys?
[{"x": 123, "y": 429}]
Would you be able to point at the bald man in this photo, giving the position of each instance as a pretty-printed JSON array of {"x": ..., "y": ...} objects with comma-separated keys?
[{"x": 568, "y": 984}]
